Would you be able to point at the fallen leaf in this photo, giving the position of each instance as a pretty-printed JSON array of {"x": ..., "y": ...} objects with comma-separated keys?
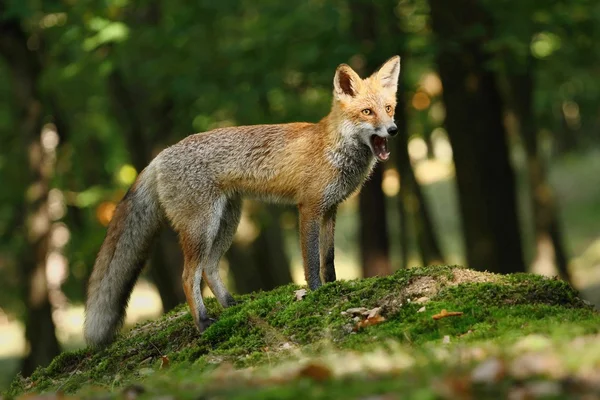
[
  {"x": 316, "y": 372},
  {"x": 300, "y": 293},
  {"x": 444, "y": 314},
  {"x": 446, "y": 339},
  {"x": 422, "y": 300},
  {"x": 369, "y": 322},
  {"x": 164, "y": 362},
  {"x": 422, "y": 309}
]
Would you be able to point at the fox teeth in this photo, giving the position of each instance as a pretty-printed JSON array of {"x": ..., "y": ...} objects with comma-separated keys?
[{"x": 380, "y": 147}]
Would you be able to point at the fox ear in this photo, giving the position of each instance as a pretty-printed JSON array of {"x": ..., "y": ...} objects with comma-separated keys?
[
  {"x": 346, "y": 81},
  {"x": 389, "y": 72}
]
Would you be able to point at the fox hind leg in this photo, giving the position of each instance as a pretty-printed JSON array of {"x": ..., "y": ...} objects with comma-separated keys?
[
  {"x": 192, "y": 276},
  {"x": 197, "y": 239},
  {"x": 227, "y": 227}
]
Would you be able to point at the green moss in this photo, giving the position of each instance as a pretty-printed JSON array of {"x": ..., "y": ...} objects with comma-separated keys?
[{"x": 263, "y": 325}]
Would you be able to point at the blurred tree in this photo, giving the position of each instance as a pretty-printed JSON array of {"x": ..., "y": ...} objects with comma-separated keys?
[
  {"x": 25, "y": 68},
  {"x": 486, "y": 182},
  {"x": 515, "y": 61},
  {"x": 412, "y": 203},
  {"x": 549, "y": 245}
]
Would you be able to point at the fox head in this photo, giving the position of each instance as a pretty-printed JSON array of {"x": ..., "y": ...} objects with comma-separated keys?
[{"x": 367, "y": 105}]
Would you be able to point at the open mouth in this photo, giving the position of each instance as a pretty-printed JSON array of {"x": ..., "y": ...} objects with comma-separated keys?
[{"x": 380, "y": 147}]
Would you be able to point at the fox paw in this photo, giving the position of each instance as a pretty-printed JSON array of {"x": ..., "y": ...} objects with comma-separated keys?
[
  {"x": 205, "y": 323},
  {"x": 231, "y": 302}
]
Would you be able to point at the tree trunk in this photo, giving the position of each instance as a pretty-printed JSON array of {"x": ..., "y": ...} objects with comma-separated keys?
[
  {"x": 374, "y": 241},
  {"x": 412, "y": 204},
  {"x": 26, "y": 68},
  {"x": 550, "y": 251},
  {"x": 39, "y": 325},
  {"x": 426, "y": 238},
  {"x": 270, "y": 256},
  {"x": 486, "y": 184},
  {"x": 414, "y": 208},
  {"x": 166, "y": 267}
]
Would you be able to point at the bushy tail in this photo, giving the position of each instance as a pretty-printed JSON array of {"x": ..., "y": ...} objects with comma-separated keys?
[{"x": 121, "y": 259}]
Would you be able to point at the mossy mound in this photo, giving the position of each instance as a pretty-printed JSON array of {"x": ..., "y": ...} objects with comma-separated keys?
[{"x": 267, "y": 328}]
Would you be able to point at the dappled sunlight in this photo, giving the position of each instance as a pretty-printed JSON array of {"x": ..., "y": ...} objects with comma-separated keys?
[
  {"x": 247, "y": 230},
  {"x": 126, "y": 175},
  {"x": 431, "y": 171},
  {"x": 545, "y": 260},
  {"x": 421, "y": 101},
  {"x": 586, "y": 267},
  {"x": 417, "y": 149},
  {"x": 431, "y": 83},
  {"x": 105, "y": 212},
  {"x": 144, "y": 304},
  {"x": 570, "y": 110},
  {"x": 12, "y": 338},
  {"x": 391, "y": 182}
]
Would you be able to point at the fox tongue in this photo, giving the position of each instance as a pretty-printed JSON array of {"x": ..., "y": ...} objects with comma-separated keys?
[{"x": 380, "y": 148}]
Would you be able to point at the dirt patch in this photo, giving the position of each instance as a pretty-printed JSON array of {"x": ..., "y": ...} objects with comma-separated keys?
[
  {"x": 427, "y": 286},
  {"x": 423, "y": 288},
  {"x": 463, "y": 275}
]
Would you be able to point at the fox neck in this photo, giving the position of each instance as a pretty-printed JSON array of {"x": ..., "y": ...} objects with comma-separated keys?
[{"x": 345, "y": 148}]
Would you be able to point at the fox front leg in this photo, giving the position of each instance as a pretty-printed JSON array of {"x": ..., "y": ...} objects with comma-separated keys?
[
  {"x": 327, "y": 246},
  {"x": 310, "y": 224}
]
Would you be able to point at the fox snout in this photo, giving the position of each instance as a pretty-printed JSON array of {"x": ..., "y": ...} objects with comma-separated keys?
[
  {"x": 392, "y": 129},
  {"x": 389, "y": 129}
]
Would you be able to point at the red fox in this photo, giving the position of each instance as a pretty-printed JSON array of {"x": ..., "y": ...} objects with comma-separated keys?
[{"x": 198, "y": 185}]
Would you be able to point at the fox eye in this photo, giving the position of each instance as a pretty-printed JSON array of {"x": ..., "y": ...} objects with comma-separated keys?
[
  {"x": 388, "y": 109},
  {"x": 367, "y": 111}
]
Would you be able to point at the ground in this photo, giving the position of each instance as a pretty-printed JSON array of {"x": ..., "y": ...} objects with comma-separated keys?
[{"x": 434, "y": 332}]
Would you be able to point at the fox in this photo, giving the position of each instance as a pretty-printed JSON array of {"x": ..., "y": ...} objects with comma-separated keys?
[{"x": 197, "y": 185}]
